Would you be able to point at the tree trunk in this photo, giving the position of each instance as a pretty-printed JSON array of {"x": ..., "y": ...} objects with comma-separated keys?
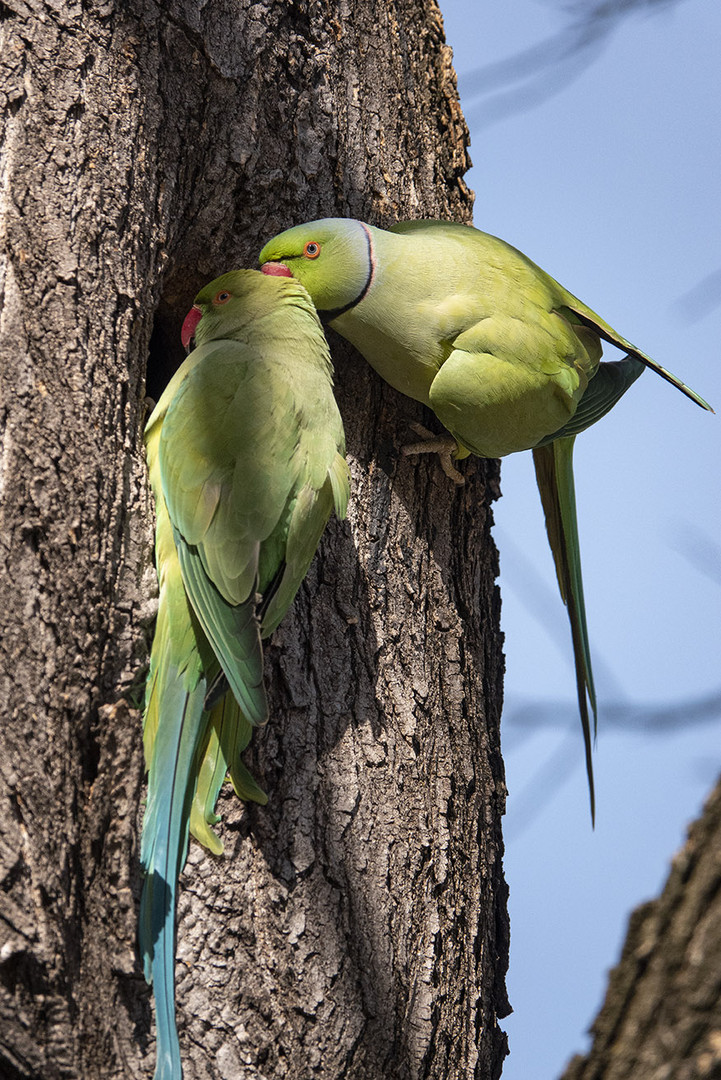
[
  {"x": 661, "y": 1019},
  {"x": 356, "y": 927}
]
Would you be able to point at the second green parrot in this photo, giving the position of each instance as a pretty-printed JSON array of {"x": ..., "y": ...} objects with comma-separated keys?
[
  {"x": 506, "y": 357},
  {"x": 245, "y": 453}
]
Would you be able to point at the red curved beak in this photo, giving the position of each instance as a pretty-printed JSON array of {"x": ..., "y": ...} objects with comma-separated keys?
[
  {"x": 275, "y": 269},
  {"x": 190, "y": 322}
]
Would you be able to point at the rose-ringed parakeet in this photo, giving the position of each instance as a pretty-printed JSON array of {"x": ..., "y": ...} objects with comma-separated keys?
[
  {"x": 507, "y": 359},
  {"x": 245, "y": 453}
]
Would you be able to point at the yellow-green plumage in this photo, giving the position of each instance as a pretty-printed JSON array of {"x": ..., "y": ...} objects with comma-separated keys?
[
  {"x": 245, "y": 455},
  {"x": 506, "y": 357}
]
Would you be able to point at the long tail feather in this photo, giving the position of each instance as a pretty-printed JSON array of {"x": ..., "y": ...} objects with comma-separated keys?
[
  {"x": 554, "y": 475},
  {"x": 229, "y": 734},
  {"x": 211, "y": 775},
  {"x": 164, "y": 848}
]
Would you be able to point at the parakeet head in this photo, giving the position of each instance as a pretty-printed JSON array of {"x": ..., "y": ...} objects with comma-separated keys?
[
  {"x": 232, "y": 301},
  {"x": 332, "y": 258}
]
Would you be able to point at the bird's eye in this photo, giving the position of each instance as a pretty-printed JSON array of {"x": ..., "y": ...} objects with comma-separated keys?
[
  {"x": 312, "y": 249},
  {"x": 221, "y": 298}
]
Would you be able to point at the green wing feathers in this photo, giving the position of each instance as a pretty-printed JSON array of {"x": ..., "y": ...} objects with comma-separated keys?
[
  {"x": 607, "y": 333},
  {"x": 306, "y": 522},
  {"x": 233, "y": 631},
  {"x": 606, "y": 388}
]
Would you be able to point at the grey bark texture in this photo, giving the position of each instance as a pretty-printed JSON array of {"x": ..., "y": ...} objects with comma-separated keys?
[
  {"x": 356, "y": 927},
  {"x": 661, "y": 1019}
]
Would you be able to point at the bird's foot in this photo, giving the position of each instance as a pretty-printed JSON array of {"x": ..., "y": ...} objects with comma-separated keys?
[{"x": 443, "y": 445}]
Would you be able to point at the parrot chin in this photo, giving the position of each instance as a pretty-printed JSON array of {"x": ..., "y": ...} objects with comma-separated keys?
[
  {"x": 275, "y": 269},
  {"x": 190, "y": 323}
]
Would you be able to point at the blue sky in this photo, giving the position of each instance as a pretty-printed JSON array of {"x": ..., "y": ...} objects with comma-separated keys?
[{"x": 612, "y": 186}]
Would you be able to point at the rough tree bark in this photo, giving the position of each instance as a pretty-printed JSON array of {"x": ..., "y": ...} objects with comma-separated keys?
[
  {"x": 661, "y": 1019},
  {"x": 356, "y": 927}
]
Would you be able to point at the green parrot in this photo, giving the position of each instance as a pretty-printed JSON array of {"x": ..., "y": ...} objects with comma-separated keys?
[
  {"x": 506, "y": 358},
  {"x": 245, "y": 455}
]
